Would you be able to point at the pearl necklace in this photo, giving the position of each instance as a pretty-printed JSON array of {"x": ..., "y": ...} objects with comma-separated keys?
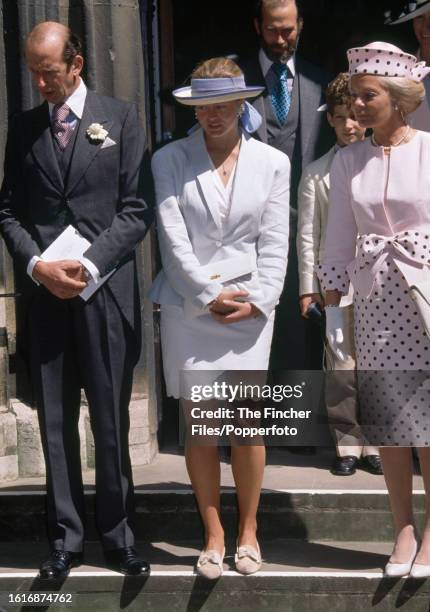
[{"x": 387, "y": 149}]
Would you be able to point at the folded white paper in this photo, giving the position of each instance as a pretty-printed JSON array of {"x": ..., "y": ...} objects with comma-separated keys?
[{"x": 70, "y": 244}]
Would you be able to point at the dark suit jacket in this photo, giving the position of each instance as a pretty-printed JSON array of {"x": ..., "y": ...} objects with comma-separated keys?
[
  {"x": 102, "y": 196},
  {"x": 316, "y": 137},
  {"x": 296, "y": 345}
]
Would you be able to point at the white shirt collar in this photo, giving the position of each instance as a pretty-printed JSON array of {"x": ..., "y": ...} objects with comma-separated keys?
[
  {"x": 75, "y": 101},
  {"x": 266, "y": 63}
]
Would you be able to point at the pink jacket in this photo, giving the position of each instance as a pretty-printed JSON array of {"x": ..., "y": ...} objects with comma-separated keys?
[{"x": 379, "y": 209}]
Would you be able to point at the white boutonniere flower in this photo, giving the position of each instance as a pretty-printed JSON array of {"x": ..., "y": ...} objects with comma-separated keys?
[{"x": 96, "y": 133}]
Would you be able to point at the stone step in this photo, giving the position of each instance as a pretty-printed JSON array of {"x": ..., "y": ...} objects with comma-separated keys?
[
  {"x": 172, "y": 515},
  {"x": 296, "y": 576}
]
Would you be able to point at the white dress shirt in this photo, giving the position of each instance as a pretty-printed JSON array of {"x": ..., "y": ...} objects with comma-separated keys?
[
  {"x": 224, "y": 193},
  {"x": 75, "y": 102},
  {"x": 269, "y": 75}
]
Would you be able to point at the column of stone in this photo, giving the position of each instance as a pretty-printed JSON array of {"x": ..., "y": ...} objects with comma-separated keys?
[{"x": 8, "y": 433}]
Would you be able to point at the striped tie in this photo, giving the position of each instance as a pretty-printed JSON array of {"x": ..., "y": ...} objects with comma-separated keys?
[
  {"x": 61, "y": 128},
  {"x": 281, "y": 98}
]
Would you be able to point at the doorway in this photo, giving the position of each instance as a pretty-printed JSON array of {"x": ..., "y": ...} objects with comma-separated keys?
[{"x": 191, "y": 31}]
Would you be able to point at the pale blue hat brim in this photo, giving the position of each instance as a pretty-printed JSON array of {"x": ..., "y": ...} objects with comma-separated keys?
[{"x": 184, "y": 95}]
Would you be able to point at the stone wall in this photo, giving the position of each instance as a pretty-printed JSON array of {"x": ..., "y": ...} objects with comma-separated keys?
[{"x": 21, "y": 453}]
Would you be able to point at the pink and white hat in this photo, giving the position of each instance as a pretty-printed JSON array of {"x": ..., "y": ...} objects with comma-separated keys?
[{"x": 383, "y": 59}]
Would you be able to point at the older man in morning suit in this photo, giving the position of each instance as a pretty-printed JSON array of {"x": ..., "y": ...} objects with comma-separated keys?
[
  {"x": 57, "y": 175},
  {"x": 291, "y": 123}
]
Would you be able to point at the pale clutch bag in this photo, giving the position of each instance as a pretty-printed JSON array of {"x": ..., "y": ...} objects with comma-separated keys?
[
  {"x": 224, "y": 271},
  {"x": 420, "y": 293}
]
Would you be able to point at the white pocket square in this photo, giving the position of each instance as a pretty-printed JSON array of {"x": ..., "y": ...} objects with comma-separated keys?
[{"x": 108, "y": 142}]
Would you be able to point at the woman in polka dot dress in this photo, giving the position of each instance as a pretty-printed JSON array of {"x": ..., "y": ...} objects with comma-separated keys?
[{"x": 378, "y": 237}]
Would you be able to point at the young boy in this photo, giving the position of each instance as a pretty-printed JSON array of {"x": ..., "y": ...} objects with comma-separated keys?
[{"x": 341, "y": 391}]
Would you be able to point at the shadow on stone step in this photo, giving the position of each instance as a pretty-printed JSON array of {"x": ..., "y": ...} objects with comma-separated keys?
[
  {"x": 129, "y": 589},
  {"x": 44, "y": 586},
  {"x": 200, "y": 593},
  {"x": 320, "y": 556},
  {"x": 407, "y": 591},
  {"x": 162, "y": 516},
  {"x": 278, "y": 556}
]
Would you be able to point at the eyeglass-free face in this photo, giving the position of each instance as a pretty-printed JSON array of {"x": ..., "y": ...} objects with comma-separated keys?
[
  {"x": 279, "y": 30},
  {"x": 422, "y": 31},
  {"x": 371, "y": 103},
  {"x": 218, "y": 119},
  {"x": 345, "y": 125},
  {"x": 53, "y": 77}
]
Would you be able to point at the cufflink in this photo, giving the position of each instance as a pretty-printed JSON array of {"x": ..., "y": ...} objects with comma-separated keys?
[{"x": 85, "y": 272}]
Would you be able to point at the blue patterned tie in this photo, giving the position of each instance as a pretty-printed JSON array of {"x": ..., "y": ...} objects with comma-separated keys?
[{"x": 281, "y": 98}]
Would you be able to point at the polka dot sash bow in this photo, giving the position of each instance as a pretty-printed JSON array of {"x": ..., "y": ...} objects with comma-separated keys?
[
  {"x": 409, "y": 250},
  {"x": 383, "y": 59}
]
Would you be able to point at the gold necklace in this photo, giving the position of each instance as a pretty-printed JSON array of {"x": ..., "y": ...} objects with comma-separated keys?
[
  {"x": 227, "y": 170},
  {"x": 387, "y": 148}
]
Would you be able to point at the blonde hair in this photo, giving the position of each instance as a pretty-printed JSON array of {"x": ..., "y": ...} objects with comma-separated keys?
[
  {"x": 404, "y": 92},
  {"x": 216, "y": 67}
]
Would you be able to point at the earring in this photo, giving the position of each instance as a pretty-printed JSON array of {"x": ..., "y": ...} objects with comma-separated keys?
[
  {"x": 241, "y": 110},
  {"x": 397, "y": 108}
]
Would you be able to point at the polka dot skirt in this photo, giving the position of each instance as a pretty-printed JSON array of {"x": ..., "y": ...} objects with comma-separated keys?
[
  {"x": 393, "y": 351},
  {"x": 393, "y": 359},
  {"x": 393, "y": 363}
]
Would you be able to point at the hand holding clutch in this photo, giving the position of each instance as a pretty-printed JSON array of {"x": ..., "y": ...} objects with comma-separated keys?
[{"x": 334, "y": 331}]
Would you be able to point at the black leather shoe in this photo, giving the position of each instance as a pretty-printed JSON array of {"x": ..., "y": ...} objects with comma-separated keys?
[
  {"x": 127, "y": 561},
  {"x": 372, "y": 464},
  {"x": 59, "y": 564},
  {"x": 345, "y": 466}
]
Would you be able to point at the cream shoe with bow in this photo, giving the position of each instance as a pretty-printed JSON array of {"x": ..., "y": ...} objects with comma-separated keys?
[
  {"x": 247, "y": 559},
  {"x": 210, "y": 564}
]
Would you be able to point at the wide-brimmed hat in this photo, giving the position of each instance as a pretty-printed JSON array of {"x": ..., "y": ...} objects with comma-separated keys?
[
  {"x": 406, "y": 11},
  {"x": 215, "y": 90},
  {"x": 384, "y": 59}
]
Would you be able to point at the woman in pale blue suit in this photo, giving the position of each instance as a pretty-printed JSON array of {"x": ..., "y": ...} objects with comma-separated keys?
[{"x": 223, "y": 202}]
